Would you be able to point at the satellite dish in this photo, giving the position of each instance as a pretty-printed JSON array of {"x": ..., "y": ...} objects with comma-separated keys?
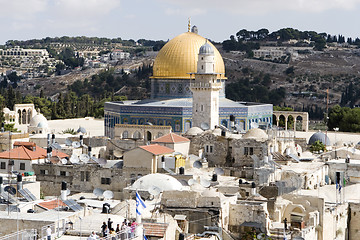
[
  {"x": 197, "y": 164},
  {"x": 254, "y": 125},
  {"x": 81, "y": 130},
  {"x": 155, "y": 191},
  {"x": 191, "y": 181},
  {"x": 67, "y": 192},
  {"x": 102, "y": 161},
  {"x": 10, "y": 190},
  {"x": 353, "y": 150},
  {"x": 84, "y": 158},
  {"x": 56, "y": 146},
  {"x": 205, "y": 183},
  {"x": 108, "y": 194},
  {"x": 74, "y": 159},
  {"x": 64, "y": 161},
  {"x": 98, "y": 192},
  {"x": 204, "y": 126},
  {"x": 12, "y": 208},
  {"x": 76, "y": 144},
  {"x": 68, "y": 142},
  {"x": 219, "y": 171}
]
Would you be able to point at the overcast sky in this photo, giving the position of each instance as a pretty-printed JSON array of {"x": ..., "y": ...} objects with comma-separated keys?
[{"x": 164, "y": 19}]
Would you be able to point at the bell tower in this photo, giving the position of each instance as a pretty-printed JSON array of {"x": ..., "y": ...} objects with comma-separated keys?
[{"x": 205, "y": 88}]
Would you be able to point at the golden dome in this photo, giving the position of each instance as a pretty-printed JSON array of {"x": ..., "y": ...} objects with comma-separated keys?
[{"x": 179, "y": 56}]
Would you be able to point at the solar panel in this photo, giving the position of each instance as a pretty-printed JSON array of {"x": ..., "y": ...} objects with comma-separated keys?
[
  {"x": 73, "y": 205},
  {"x": 8, "y": 197},
  {"x": 27, "y": 195}
]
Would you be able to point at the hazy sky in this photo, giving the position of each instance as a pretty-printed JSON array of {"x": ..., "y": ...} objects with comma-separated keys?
[{"x": 164, "y": 19}]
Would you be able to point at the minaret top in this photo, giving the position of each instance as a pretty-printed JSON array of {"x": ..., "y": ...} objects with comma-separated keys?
[{"x": 189, "y": 24}]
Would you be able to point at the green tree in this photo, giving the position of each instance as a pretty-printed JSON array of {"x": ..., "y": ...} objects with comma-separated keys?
[{"x": 317, "y": 147}]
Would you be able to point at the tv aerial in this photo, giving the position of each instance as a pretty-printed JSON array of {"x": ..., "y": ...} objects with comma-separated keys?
[
  {"x": 108, "y": 194},
  {"x": 74, "y": 159},
  {"x": 76, "y": 144},
  {"x": 84, "y": 158}
]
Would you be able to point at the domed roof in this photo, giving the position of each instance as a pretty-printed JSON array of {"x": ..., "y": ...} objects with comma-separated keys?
[
  {"x": 319, "y": 136},
  {"x": 37, "y": 119},
  {"x": 162, "y": 181},
  {"x": 179, "y": 56},
  {"x": 194, "y": 131},
  {"x": 255, "y": 133},
  {"x": 206, "y": 49}
]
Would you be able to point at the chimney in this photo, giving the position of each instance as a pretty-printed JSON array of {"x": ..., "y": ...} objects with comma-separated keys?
[
  {"x": 19, "y": 182},
  {"x": 63, "y": 195}
]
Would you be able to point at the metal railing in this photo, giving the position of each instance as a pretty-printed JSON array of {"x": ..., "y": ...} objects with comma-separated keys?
[
  {"x": 57, "y": 229},
  {"x": 28, "y": 234},
  {"x": 123, "y": 234}
]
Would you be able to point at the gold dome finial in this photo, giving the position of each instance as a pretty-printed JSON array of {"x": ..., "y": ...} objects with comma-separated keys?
[{"x": 189, "y": 24}]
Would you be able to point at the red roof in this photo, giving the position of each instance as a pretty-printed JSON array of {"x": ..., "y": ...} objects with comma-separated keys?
[
  {"x": 52, "y": 204},
  {"x": 23, "y": 153},
  {"x": 171, "y": 138},
  {"x": 156, "y": 149}
]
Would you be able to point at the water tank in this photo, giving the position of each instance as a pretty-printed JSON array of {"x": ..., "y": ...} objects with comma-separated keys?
[
  {"x": 19, "y": 178},
  {"x": 214, "y": 177},
  {"x": 181, "y": 171},
  {"x": 240, "y": 181},
  {"x": 181, "y": 236},
  {"x": 63, "y": 186},
  {"x": 106, "y": 208}
]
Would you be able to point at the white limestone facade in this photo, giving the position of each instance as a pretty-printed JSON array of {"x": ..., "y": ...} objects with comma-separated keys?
[{"x": 205, "y": 88}]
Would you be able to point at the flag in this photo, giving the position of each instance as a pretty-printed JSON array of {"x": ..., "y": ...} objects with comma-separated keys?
[
  {"x": 145, "y": 238},
  {"x": 344, "y": 181},
  {"x": 285, "y": 238},
  {"x": 140, "y": 205}
]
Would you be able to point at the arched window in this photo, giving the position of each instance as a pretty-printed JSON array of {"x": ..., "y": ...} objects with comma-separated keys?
[
  {"x": 19, "y": 116},
  {"x": 177, "y": 126},
  {"x": 125, "y": 134},
  {"x": 23, "y": 116},
  {"x": 187, "y": 125},
  {"x": 28, "y": 116},
  {"x": 137, "y": 135}
]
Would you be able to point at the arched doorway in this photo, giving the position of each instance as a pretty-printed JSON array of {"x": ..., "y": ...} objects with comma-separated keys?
[
  {"x": 299, "y": 123},
  {"x": 148, "y": 136}
]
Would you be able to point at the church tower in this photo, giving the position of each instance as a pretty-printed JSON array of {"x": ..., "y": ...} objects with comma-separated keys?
[{"x": 205, "y": 88}]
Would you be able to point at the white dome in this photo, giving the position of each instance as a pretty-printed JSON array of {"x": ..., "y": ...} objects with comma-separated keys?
[
  {"x": 39, "y": 119},
  {"x": 255, "y": 133},
  {"x": 217, "y": 131},
  {"x": 194, "y": 131},
  {"x": 162, "y": 181}
]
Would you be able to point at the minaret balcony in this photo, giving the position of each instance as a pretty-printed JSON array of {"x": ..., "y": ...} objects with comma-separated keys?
[{"x": 215, "y": 86}]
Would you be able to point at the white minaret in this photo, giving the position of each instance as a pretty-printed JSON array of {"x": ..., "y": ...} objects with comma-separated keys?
[{"x": 205, "y": 89}]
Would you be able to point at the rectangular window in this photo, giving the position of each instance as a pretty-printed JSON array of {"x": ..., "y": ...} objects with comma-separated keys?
[
  {"x": 207, "y": 148},
  {"x": 3, "y": 165},
  {"x": 82, "y": 176},
  {"x": 106, "y": 181},
  {"x": 246, "y": 151},
  {"x": 62, "y": 173},
  {"x": 211, "y": 149},
  {"x": 251, "y": 151},
  {"x": 87, "y": 176},
  {"x": 42, "y": 172},
  {"x": 22, "y": 166}
]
